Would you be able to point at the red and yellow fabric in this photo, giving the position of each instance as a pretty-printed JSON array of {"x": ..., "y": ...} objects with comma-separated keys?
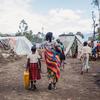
[{"x": 53, "y": 62}]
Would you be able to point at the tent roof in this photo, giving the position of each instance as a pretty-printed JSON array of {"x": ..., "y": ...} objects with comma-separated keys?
[
  {"x": 22, "y": 46},
  {"x": 68, "y": 40},
  {"x": 74, "y": 36}
]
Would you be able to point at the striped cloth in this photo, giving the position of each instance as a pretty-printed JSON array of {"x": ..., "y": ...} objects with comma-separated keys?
[{"x": 52, "y": 61}]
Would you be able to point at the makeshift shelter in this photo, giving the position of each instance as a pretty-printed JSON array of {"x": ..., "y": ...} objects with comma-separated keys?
[
  {"x": 72, "y": 44},
  {"x": 20, "y": 44}
]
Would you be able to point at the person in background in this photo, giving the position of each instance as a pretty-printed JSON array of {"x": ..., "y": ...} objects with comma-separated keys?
[
  {"x": 98, "y": 49},
  {"x": 94, "y": 50},
  {"x": 86, "y": 51},
  {"x": 52, "y": 61},
  {"x": 33, "y": 67}
]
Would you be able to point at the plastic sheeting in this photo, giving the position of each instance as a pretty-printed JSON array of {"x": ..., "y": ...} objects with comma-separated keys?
[
  {"x": 20, "y": 44},
  {"x": 68, "y": 42},
  {"x": 23, "y": 46}
]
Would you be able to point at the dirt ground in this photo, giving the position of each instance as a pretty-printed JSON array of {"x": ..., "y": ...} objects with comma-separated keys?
[{"x": 71, "y": 86}]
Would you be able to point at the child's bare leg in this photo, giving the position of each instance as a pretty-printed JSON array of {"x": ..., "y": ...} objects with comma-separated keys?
[
  {"x": 35, "y": 84},
  {"x": 31, "y": 85},
  {"x": 82, "y": 68}
]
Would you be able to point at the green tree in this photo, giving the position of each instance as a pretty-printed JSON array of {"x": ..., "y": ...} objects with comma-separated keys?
[
  {"x": 29, "y": 35},
  {"x": 97, "y": 4},
  {"x": 1, "y": 34},
  {"x": 23, "y": 26},
  {"x": 70, "y": 33},
  {"x": 18, "y": 34},
  {"x": 39, "y": 37},
  {"x": 23, "y": 30},
  {"x": 98, "y": 38}
]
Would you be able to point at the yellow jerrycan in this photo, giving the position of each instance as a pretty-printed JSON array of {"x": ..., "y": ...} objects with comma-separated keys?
[{"x": 26, "y": 79}]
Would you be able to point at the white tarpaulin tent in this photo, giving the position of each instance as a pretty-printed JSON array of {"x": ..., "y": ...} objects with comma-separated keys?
[
  {"x": 71, "y": 41},
  {"x": 20, "y": 44}
]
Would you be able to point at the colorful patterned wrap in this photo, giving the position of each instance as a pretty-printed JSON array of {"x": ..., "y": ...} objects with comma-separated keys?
[{"x": 53, "y": 63}]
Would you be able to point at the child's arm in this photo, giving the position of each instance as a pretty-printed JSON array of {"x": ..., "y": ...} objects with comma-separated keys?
[
  {"x": 28, "y": 64},
  {"x": 39, "y": 63}
]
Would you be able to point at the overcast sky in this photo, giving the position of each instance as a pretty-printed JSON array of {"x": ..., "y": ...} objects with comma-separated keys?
[{"x": 57, "y": 16}]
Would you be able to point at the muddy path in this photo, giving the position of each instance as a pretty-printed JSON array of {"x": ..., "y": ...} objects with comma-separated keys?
[{"x": 71, "y": 86}]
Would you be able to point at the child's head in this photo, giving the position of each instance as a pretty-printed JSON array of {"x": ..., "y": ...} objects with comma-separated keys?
[
  {"x": 58, "y": 41},
  {"x": 85, "y": 43},
  {"x": 33, "y": 49},
  {"x": 61, "y": 43}
]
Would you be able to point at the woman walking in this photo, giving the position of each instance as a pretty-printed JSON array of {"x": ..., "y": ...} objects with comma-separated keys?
[{"x": 52, "y": 62}]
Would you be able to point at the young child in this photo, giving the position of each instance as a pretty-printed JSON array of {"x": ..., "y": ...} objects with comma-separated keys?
[
  {"x": 33, "y": 67},
  {"x": 60, "y": 51},
  {"x": 86, "y": 50}
]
